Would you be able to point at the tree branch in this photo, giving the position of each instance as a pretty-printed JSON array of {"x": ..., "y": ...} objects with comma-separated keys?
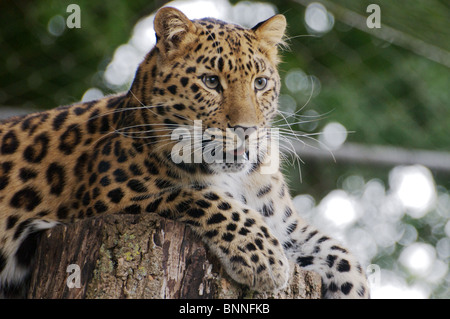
[{"x": 140, "y": 256}]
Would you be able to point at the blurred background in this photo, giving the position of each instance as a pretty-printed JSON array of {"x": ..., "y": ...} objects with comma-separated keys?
[{"x": 365, "y": 110}]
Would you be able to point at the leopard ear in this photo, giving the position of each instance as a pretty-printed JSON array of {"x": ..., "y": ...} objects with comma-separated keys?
[
  {"x": 173, "y": 29},
  {"x": 271, "y": 30}
]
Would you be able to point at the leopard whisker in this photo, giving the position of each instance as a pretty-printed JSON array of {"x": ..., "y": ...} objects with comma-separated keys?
[
  {"x": 310, "y": 137},
  {"x": 304, "y": 105},
  {"x": 137, "y": 99}
]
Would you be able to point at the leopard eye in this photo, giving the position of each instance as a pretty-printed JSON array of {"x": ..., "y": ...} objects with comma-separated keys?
[
  {"x": 260, "y": 83},
  {"x": 211, "y": 81}
]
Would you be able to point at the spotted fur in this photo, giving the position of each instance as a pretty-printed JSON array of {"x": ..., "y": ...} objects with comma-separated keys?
[{"x": 113, "y": 155}]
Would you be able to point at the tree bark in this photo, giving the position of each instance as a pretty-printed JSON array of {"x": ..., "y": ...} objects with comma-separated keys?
[{"x": 140, "y": 256}]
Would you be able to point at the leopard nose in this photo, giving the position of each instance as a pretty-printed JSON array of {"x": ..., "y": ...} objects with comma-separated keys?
[
  {"x": 246, "y": 129},
  {"x": 243, "y": 133}
]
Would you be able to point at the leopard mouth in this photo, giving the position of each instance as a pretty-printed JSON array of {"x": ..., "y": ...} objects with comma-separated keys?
[
  {"x": 238, "y": 155},
  {"x": 238, "y": 151},
  {"x": 219, "y": 154}
]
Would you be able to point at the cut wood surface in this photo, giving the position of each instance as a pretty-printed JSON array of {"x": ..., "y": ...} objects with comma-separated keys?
[{"x": 140, "y": 256}]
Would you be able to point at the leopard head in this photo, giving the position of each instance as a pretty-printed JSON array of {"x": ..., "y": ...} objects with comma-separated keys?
[{"x": 217, "y": 77}]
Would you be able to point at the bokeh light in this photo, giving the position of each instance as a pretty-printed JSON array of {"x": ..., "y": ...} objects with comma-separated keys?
[
  {"x": 121, "y": 70},
  {"x": 317, "y": 19},
  {"x": 56, "y": 25},
  {"x": 418, "y": 258},
  {"x": 92, "y": 94},
  {"x": 309, "y": 120},
  {"x": 297, "y": 81},
  {"x": 287, "y": 103},
  {"x": 333, "y": 135},
  {"x": 414, "y": 187},
  {"x": 338, "y": 208},
  {"x": 369, "y": 217}
]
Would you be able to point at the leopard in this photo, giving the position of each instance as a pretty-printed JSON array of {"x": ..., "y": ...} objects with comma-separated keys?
[{"x": 115, "y": 155}]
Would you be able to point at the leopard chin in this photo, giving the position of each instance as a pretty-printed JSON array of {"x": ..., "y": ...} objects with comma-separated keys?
[{"x": 230, "y": 167}]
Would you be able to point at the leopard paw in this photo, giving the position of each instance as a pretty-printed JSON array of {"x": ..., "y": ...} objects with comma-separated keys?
[{"x": 257, "y": 262}]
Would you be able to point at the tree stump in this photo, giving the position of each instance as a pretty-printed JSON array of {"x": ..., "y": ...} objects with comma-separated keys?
[{"x": 140, "y": 256}]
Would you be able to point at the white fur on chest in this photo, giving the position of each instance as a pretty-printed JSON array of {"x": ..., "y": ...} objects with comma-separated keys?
[
  {"x": 245, "y": 188},
  {"x": 241, "y": 188}
]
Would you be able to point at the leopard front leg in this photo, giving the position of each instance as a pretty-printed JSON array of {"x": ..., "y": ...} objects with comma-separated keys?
[
  {"x": 238, "y": 235},
  {"x": 342, "y": 275}
]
